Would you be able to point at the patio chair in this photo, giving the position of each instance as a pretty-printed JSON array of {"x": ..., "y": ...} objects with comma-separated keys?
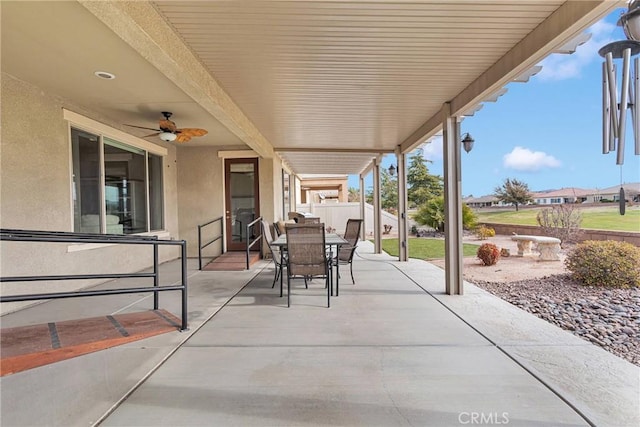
[
  {"x": 295, "y": 216},
  {"x": 279, "y": 229},
  {"x": 280, "y": 225},
  {"x": 276, "y": 255},
  {"x": 306, "y": 256},
  {"x": 351, "y": 235},
  {"x": 309, "y": 220}
]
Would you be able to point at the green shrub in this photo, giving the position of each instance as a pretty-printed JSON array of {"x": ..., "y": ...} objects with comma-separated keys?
[
  {"x": 431, "y": 213},
  {"x": 469, "y": 218},
  {"x": 488, "y": 253},
  {"x": 605, "y": 263},
  {"x": 483, "y": 232}
]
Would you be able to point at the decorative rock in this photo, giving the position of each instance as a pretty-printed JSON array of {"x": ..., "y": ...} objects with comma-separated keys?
[{"x": 609, "y": 318}]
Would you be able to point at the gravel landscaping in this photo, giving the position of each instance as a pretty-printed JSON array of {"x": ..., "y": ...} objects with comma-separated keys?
[{"x": 607, "y": 317}]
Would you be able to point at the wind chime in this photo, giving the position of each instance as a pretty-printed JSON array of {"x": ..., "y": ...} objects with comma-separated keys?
[{"x": 614, "y": 112}]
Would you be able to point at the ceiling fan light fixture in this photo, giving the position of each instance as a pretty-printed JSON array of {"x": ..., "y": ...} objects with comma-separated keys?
[
  {"x": 168, "y": 136},
  {"x": 169, "y": 132}
]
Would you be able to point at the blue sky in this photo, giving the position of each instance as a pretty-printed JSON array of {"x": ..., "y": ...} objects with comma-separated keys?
[{"x": 547, "y": 132}]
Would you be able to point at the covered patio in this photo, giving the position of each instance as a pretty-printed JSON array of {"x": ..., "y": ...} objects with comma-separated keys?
[
  {"x": 285, "y": 88},
  {"x": 392, "y": 350},
  {"x": 290, "y": 88}
]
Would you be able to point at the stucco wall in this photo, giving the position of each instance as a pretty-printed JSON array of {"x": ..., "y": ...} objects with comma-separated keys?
[
  {"x": 200, "y": 196},
  {"x": 35, "y": 193}
]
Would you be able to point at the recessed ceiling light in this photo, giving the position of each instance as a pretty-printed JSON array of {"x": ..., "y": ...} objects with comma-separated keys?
[{"x": 105, "y": 75}]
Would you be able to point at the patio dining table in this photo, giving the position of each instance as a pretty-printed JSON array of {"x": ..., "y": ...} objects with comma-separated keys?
[{"x": 330, "y": 240}]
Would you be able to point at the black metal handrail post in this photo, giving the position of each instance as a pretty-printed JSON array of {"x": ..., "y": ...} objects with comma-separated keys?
[
  {"x": 184, "y": 285},
  {"x": 253, "y": 242},
  {"x": 156, "y": 278},
  {"x": 218, "y": 237},
  {"x": 199, "y": 247}
]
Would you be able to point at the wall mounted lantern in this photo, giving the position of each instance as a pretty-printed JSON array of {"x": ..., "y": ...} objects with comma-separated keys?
[{"x": 467, "y": 142}]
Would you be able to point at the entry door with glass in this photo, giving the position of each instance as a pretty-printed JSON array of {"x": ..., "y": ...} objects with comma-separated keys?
[{"x": 242, "y": 201}]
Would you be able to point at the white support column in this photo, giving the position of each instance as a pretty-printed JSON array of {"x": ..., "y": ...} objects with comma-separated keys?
[
  {"x": 363, "y": 212},
  {"x": 377, "y": 213},
  {"x": 297, "y": 194},
  {"x": 292, "y": 195},
  {"x": 452, "y": 203},
  {"x": 403, "y": 234}
]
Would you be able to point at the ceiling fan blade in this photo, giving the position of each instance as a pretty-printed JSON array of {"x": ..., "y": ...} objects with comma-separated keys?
[
  {"x": 192, "y": 131},
  {"x": 142, "y": 127},
  {"x": 183, "y": 137},
  {"x": 167, "y": 124},
  {"x": 153, "y": 134}
]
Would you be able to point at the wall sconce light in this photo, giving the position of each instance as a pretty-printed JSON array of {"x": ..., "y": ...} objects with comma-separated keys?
[
  {"x": 392, "y": 170},
  {"x": 467, "y": 142}
]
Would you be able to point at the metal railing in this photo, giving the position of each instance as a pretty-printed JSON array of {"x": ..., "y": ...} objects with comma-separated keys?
[
  {"x": 257, "y": 239},
  {"x": 218, "y": 237},
  {"x": 67, "y": 237}
]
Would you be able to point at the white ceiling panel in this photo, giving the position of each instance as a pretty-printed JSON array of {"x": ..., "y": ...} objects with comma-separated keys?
[
  {"x": 313, "y": 76},
  {"x": 349, "y": 74}
]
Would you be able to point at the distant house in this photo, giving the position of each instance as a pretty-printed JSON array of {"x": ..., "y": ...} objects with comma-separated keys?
[
  {"x": 631, "y": 190},
  {"x": 481, "y": 202},
  {"x": 564, "y": 195}
]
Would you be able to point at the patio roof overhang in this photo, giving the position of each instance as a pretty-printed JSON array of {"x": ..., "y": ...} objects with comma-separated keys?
[{"x": 329, "y": 84}]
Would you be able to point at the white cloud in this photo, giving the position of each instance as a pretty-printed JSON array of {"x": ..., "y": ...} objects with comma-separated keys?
[
  {"x": 562, "y": 66},
  {"x": 433, "y": 150},
  {"x": 523, "y": 159}
]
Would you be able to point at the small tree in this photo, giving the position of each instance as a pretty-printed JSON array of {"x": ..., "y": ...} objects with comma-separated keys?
[
  {"x": 422, "y": 186},
  {"x": 354, "y": 194},
  {"x": 561, "y": 221},
  {"x": 513, "y": 191},
  {"x": 388, "y": 192},
  {"x": 432, "y": 215}
]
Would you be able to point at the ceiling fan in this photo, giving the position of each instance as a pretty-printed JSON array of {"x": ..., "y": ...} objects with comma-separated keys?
[{"x": 169, "y": 132}]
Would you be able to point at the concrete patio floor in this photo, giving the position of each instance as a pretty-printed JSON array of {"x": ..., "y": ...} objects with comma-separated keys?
[{"x": 392, "y": 350}]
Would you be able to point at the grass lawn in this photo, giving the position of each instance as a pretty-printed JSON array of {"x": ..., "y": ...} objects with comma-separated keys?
[
  {"x": 598, "y": 217},
  {"x": 424, "y": 248}
]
